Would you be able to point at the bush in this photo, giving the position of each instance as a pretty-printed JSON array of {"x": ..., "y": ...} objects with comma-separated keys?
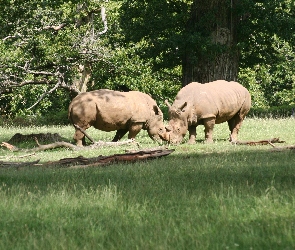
[
  {"x": 273, "y": 112},
  {"x": 59, "y": 118}
]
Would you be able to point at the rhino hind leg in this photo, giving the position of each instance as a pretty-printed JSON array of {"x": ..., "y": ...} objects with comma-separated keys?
[
  {"x": 234, "y": 125},
  {"x": 79, "y": 137},
  {"x": 119, "y": 134}
]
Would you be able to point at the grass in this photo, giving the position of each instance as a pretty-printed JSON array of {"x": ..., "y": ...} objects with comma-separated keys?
[{"x": 202, "y": 196}]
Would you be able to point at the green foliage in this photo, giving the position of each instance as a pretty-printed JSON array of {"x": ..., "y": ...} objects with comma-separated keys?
[
  {"x": 41, "y": 46},
  {"x": 19, "y": 102},
  {"x": 272, "y": 83},
  {"x": 127, "y": 69},
  {"x": 142, "y": 50},
  {"x": 159, "y": 25},
  {"x": 273, "y": 112}
]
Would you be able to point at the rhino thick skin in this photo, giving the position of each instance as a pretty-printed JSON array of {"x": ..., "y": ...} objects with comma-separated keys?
[
  {"x": 110, "y": 110},
  {"x": 207, "y": 104}
]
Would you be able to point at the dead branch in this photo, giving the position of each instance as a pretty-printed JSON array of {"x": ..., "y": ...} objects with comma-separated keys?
[
  {"x": 71, "y": 146},
  {"x": 55, "y": 28},
  {"x": 112, "y": 143},
  {"x": 58, "y": 144},
  {"x": 98, "y": 144},
  {"x": 260, "y": 142},
  {"x": 123, "y": 158},
  {"x": 45, "y": 94},
  {"x": 102, "y": 143},
  {"x": 151, "y": 149},
  {"x": 82, "y": 162},
  {"x": 104, "y": 20},
  {"x": 84, "y": 132},
  {"x": 9, "y": 146},
  {"x": 279, "y": 149},
  {"x": 23, "y": 156}
]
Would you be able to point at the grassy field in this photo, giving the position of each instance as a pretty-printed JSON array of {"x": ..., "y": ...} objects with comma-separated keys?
[{"x": 217, "y": 196}]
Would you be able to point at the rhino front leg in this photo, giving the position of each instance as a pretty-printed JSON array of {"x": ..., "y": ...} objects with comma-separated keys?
[
  {"x": 192, "y": 134},
  {"x": 134, "y": 129},
  {"x": 209, "y": 126},
  {"x": 119, "y": 134}
]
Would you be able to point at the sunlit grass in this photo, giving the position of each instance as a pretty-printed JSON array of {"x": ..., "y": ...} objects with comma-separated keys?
[{"x": 217, "y": 196}]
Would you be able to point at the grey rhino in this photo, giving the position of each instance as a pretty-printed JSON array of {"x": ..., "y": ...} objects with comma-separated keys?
[
  {"x": 207, "y": 104},
  {"x": 110, "y": 110}
]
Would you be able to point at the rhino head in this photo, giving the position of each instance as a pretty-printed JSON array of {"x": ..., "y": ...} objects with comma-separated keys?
[
  {"x": 178, "y": 125},
  {"x": 155, "y": 125}
]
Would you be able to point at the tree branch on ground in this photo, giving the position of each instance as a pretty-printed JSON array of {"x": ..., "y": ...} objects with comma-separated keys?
[
  {"x": 278, "y": 149},
  {"x": 260, "y": 142},
  {"x": 82, "y": 162},
  {"x": 84, "y": 132},
  {"x": 71, "y": 146}
]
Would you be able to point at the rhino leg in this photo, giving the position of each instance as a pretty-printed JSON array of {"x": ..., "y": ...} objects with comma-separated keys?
[
  {"x": 134, "y": 129},
  {"x": 192, "y": 134},
  {"x": 209, "y": 125},
  {"x": 234, "y": 125},
  {"x": 119, "y": 134},
  {"x": 79, "y": 137}
]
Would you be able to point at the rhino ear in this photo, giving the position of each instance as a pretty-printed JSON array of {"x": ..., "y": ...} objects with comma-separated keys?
[
  {"x": 181, "y": 108},
  {"x": 168, "y": 128},
  {"x": 156, "y": 110}
]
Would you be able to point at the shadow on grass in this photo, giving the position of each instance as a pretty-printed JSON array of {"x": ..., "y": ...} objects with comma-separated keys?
[{"x": 191, "y": 172}]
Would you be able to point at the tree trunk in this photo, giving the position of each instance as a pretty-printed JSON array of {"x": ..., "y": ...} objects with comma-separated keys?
[
  {"x": 83, "y": 77},
  {"x": 211, "y": 52}
]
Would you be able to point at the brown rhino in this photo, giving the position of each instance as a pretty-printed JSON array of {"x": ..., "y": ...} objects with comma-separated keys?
[
  {"x": 207, "y": 104},
  {"x": 110, "y": 110}
]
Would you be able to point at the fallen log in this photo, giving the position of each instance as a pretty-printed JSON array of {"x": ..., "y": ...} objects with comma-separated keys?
[
  {"x": 82, "y": 162},
  {"x": 260, "y": 142}
]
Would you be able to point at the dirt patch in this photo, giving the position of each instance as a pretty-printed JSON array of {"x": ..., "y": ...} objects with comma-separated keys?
[{"x": 41, "y": 137}]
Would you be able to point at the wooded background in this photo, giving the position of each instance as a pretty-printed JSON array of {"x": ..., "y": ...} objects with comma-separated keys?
[{"x": 52, "y": 50}]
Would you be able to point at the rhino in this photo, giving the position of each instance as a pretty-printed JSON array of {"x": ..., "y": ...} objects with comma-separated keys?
[
  {"x": 110, "y": 110},
  {"x": 207, "y": 104}
]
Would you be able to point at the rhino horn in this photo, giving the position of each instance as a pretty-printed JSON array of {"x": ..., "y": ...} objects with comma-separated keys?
[
  {"x": 183, "y": 106},
  {"x": 167, "y": 103}
]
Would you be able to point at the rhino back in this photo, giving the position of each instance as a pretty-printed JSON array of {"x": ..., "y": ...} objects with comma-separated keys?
[
  {"x": 220, "y": 99},
  {"x": 104, "y": 109},
  {"x": 110, "y": 110},
  {"x": 228, "y": 97},
  {"x": 142, "y": 106}
]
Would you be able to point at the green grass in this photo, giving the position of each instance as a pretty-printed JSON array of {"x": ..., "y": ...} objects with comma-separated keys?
[{"x": 217, "y": 196}]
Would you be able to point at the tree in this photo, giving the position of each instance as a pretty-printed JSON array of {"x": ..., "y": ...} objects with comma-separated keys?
[
  {"x": 202, "y": 35},
  {"x": 267, "y": 42},
  {"x": 210, "y": 52},
  {"x": 209, "y": 39},
  {"x": 50, "y": 43}
]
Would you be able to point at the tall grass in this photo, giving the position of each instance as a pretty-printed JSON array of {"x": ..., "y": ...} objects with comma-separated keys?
[{"x": 202, "y": 196}]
